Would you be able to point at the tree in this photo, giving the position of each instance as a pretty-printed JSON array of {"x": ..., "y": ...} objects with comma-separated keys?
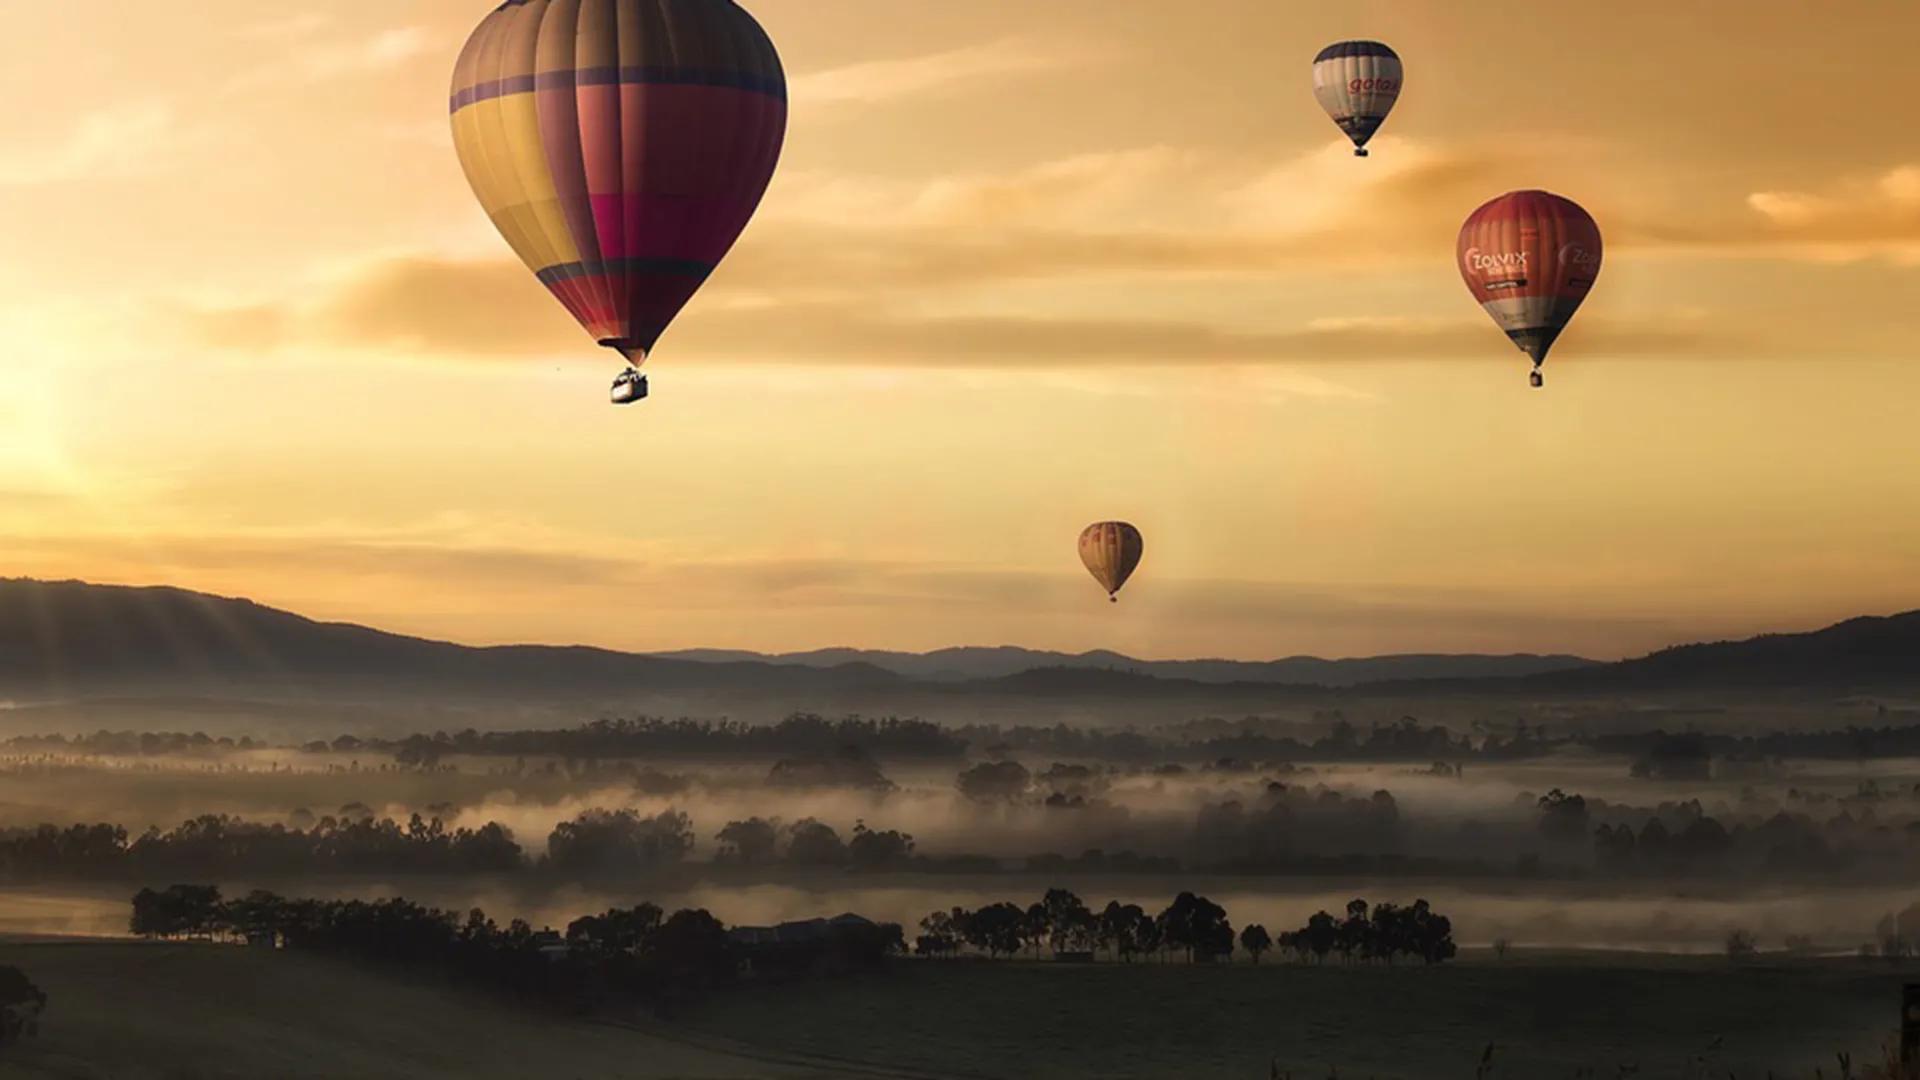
[
  {"x": 628, "y": 930},
  {"x": 813, "y": 843},
  {"x": 1675, "y": 757},
  {"x": 845, "y": 767},
  {"x": 752, "y": 842},
  {"x": 1146, "y": 933},
  {"x": 939, "y": 934},
  {"x": 1120, "y": 929},
  {"x": 1741, "y": 946},
  {"x": 994, "y": 780},
  {"x": 877, "y": 850},
  {"x": 995, "y": 929},
  {"x": 1355, "y": 934},
  {"x": 21, "y": 1003},
  {"x": 1071, "y": 927},
  {"x": 602, "y": 841},
  {"x": 178, "y": 911},
  {"x": 1319, "y": 936},
  {"x": 1035, "y": 927},
  {"x": 1196, "y": 925},
  {"x": 1254, "y": 939},
  {"x": 1563, "y": 817},
  {"x": 691, "y": 949}
]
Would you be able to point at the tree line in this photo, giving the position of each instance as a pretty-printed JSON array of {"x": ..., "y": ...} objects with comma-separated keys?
[
  {"x": 643, "y": 955},
  {"x": 801, "y": 733},
  {"x": 1682, "y": 838},
  {"x": 1407, "y": 740},
  {"x": 1192, "y": 927},
  {"x": 637, "y": 954}
]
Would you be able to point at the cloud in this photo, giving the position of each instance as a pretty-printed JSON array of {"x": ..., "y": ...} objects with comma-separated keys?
[
  {"x": 873, "y": 81},
  {"x": 1853, "y": 219},
  {"x": 385, "y": 50},
  {"x": 492, "y": 309},
  {"x": 119, "y": 140},
  {"x": 302, "y": 25},
  {"x": 373, "y": 556},
  {"x": 354, "y": 579},
  {"x": 848, "y": 270}
]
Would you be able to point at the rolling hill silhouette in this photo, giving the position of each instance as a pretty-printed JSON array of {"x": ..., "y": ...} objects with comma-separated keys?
[
  {"x": 976, "y": 662},
  {"x": 69, "y": 639}
]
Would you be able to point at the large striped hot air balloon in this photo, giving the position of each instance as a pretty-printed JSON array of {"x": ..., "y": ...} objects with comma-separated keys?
[
  {"x": 1530, "y": 258},
  {"x": 620, "y": 146},
  {"x": 1357, "y": 82},
  {"x": 1111, "y": 550}
]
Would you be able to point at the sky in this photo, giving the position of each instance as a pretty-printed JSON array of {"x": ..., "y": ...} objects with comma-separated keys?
[{"x": 1024, "y": 266}]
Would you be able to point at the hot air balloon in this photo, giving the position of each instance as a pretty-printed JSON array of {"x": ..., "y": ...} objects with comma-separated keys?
[
  {"x": 1111, "y": 550},
  {"x": 620, "y": 146},
  {"x": 1357, "y": 82},
  {"x": 1529, "y": 258}
]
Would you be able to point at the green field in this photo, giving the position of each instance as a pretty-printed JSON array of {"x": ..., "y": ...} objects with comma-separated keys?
[
  {"x": 1549, "y": 1016},
  {"x": 134, "y": 1011},
  {"x": 176, "y": 1012}
]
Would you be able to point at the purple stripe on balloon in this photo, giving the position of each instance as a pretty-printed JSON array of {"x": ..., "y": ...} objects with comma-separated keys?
[{"x": 773, "y": 85}]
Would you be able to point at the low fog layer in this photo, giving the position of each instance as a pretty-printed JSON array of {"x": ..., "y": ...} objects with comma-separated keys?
[{"x": 1529, "y": 837}]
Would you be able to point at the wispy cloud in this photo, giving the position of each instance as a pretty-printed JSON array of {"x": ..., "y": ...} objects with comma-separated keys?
[
  {"x": 307, "y": 62},
  {"x": 884, "y": 273},
  {"x": 304, "y": 24},
  {"x": 119, "y": 140},
  {"x": 490, "y": 309},
  {"x": 1853, "y": 218},
  {"x": 943, "y": 72}
]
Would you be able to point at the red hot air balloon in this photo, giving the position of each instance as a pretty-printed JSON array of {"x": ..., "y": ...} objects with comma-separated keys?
[
  {"x": 1530, "y": 258},
  {"x": 1111, "y": 551},
  {"x": 620, "y": 146}
]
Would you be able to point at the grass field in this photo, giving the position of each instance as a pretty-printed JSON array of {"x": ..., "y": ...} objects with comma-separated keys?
[
  {"x": 1549, "y": 1015},
  {"x": 181, "y": 1012},
  {"x": 133, "y": 1011}
]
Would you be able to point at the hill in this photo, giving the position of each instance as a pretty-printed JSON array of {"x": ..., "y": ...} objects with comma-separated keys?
[
  {"x": 69, "y": 638},
  {"x": 70, "y": 641},
  {"x": 979, "y": 662},
  {"x": 1859, "y": 655}
]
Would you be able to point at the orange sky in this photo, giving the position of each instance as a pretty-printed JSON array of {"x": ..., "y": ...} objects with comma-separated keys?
[{"x": 1024, "y": 265}]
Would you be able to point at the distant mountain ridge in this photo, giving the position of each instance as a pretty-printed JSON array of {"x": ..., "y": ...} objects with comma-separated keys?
[
  {"x": 1872, "y": 651},
  {"x": 72, "y": 640},
  {"x": 968, "y": 663},
  {"x": 67, "y": 637}
]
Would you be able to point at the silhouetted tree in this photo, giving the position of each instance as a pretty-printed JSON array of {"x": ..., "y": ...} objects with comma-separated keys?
[
  {"x": 812, "y": 843},
  {"x": 1563, "y": 817},
  {"x": 21, "y": 1005},
  {"x": 996, "y": 929},
  {"x": 1120, "y": 929},
  {"x": 612, "y": 841},
  {"x": 1254, "y": 939},
  {"x": 753, "y": 842},
  {"x": 994, "y": 780},
  {"x": 878, "y": 850},
  {"x": 1196, "y": 925}
]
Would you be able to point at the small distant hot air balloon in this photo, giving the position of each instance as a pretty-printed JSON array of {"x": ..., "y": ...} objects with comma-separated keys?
[
  {"x": 1111, "y": 550},
  {"x": 620, "y": 146},
  {"x": 1357, "y": 82},
  {"x": 1530, "y": 258}
]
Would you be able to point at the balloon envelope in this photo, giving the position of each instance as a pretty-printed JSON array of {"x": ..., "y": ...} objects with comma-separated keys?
[
  {"x": 620, "y": 146},
  {"x": 1530, "y": 258},
  {"x": 1358, "y": 83},
  {"x": 1111, "y": 550}
]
